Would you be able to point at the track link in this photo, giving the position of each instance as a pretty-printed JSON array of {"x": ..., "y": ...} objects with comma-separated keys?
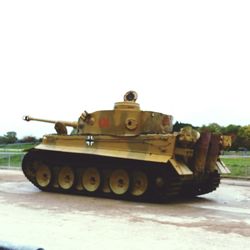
[{"x": 207, "y": 184}]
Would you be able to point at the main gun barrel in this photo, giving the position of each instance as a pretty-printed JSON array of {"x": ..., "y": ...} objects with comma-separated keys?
[{"x": 66, "y": 123}]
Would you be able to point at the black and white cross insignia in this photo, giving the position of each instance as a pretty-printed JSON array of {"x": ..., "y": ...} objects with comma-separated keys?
[{"x": 90, "y": 140}]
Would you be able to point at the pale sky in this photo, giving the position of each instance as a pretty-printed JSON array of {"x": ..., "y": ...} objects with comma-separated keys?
[{"x": 190, "y": 59}]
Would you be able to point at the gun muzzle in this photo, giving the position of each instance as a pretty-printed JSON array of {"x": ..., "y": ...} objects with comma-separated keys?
[{"x": 26, "y": 118}]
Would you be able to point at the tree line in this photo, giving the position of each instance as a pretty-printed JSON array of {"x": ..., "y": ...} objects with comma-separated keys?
[
  {"x": 11, "y": 137},
  {"x": 240, "y": 134}
]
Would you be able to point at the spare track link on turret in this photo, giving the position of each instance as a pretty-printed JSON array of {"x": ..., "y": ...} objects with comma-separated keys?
[{"x": 101, "y": 176}]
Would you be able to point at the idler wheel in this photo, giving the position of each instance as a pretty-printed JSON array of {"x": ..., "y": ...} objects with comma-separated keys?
[
  {"x": 91, "y": 179},
  {"x": 139, "y": 183},
  {"x": 43, "y": 175},
  {"x": 66, "y": 178},
  {"x": 119, "y": 181}
]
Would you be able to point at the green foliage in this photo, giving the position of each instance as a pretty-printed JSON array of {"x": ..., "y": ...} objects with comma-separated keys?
[
  {"x": 244, "y": 136},
  {"x": 231, "y": 129},
  {"x": 212, "y": 127},
  {"x": 10, "y": 137},
  {"x": 240, "y": 135}
]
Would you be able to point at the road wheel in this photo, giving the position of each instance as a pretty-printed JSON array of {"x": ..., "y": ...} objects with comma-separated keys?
[
  {"x": 91, "y": 179},
  {"x": 66, "y": 178},
  {"x": 43, "y": 175},
  {"x": 139, "y": 183},
  {"x": 119, "y": 181}
]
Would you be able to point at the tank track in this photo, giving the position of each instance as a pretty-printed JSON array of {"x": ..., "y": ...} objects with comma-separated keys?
[
  {"x": 45, "y": 169},
  {"x": 207, "y": 184}
]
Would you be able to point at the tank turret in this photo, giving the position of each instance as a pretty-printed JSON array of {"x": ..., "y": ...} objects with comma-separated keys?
[
  {"x": 126, "y": 152},
  {"x": 126, "y": 119}
]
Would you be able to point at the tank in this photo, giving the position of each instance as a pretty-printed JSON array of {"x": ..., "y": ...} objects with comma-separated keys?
[{"x": 126, "y": 153}]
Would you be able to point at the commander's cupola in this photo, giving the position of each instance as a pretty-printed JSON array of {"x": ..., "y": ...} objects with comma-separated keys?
[{"x": 129, "y": 102}]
